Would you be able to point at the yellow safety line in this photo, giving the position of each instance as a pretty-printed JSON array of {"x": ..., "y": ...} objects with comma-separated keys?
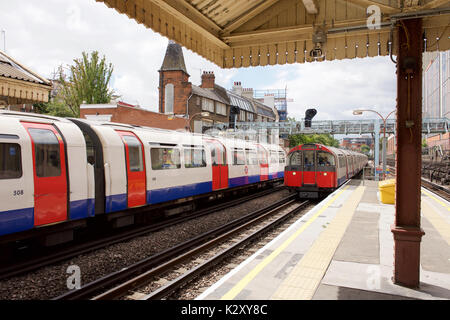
[
  {"x": 437, "y": 200},
  {"x": 437, "y": 221},
  {"x": 305, "y": 277},
  {"x": 253, "y": 273}
]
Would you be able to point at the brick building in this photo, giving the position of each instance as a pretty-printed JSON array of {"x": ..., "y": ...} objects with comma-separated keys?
[
  {"x": 181, "y": 103},
  {"x": 125, "y": 113},
  {"x": 183, "y": 99},
  {"x": 356, "y": 143}
]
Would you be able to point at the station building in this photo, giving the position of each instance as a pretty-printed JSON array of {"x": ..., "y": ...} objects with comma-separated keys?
[{"x": 19, "y": 86}]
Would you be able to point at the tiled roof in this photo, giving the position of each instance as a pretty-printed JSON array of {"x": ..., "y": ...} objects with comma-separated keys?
[
  {"x": 174, "y": 59},
  {"x": 208, "y": 93},
  {"x": 10, "y": 69}
]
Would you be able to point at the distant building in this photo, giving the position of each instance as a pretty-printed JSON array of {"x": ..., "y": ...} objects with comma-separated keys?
[
  {"x": 126, "y": 113},
  {"x": 20, "y": 87},
  {"x": 357, "y": 143},
  {"x": 180, "y": 97},
  {"x": 181, "y": 103},
  {"x": 436, "y": 85}
]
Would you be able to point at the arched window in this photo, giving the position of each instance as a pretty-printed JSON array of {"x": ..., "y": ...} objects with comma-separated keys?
[{"x": 168, "y": 99}]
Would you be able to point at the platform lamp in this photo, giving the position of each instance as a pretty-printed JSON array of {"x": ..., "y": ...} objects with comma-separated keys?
[{"x": 360, "y": 112}]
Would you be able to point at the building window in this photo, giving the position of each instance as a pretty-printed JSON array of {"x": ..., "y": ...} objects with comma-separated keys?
[
  {"x": 10, "y": 161},
  {"x": 221, "y": 108},
  {"x": 242, "y": 115},
  {"x": 165, "y": 158},
  {"x": 168, "y": 98},
  {"x": 250, "y": 116},
  {"x": 207, "y": 105}
]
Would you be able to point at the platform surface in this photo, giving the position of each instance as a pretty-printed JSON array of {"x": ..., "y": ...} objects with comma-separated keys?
[{"x": 343, "y": 249}]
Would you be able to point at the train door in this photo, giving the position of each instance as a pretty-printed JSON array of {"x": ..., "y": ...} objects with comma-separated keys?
[
  {"x": 309, "y": 167},
  {"x": 136, "y": 181},
  {"x": 219, "y": 165},
  {"x": 263, "y": 163},
  {"x": 50, "y": 174}
]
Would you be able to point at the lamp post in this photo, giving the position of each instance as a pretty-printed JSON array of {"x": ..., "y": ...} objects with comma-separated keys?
[{"x": 360, "y": 112}]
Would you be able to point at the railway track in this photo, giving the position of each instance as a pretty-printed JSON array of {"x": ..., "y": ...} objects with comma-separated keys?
[
  {"x": 121, "y": 282},
  {"x": 436, "y": 188},
  {"x": 16, "y": 269}
]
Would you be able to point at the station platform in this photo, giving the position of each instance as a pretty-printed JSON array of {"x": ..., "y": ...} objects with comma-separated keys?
[{"x": 343, "y": 249}]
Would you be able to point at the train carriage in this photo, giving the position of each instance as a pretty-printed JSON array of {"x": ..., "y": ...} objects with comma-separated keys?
[
  {"x": 54, "y": 170},
  {"x": 313, "y": 170}
]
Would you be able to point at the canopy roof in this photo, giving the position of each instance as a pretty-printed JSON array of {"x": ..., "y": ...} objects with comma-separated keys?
[
  {"x": 237, "y": 33},
  {"x": 21, "y": 85}
]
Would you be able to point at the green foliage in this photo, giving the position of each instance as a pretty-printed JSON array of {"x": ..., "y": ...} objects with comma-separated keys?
[
  {"x": 365, "y": 149},
  {"x": 424, "y": 143},
  {"x": 325, "y": 139},
  {"x": 87, "y": 83}
]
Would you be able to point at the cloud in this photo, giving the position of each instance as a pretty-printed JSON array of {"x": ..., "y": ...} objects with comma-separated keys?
[{"x": 43, "y": 36}]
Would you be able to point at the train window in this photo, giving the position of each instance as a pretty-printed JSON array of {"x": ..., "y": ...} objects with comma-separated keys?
[
  {"x": 46, "y": 153},
  {"x": 134, "y": 153},
  {"x": 325, "y": 158},
  {"x": 194, "y": 158},
  {"x": 252, "y": 157},
  {"x": 10, "y": 161},
  {"x": 165, "y": 158},
  {"x": 262, "y": 155},
  {"x": 238, "y": 157},
  {"x": 218, "y": 155},
  {"x": 273, "y": 157},
  {"x": 295, "y": 159},
  {"x": 90, "y": 149},
  {"x": 309, "y": 158},
  {"x": 281, "y": 157}
]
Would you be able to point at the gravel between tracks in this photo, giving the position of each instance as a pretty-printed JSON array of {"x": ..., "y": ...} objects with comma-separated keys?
[{"x": 51, "y": 281}]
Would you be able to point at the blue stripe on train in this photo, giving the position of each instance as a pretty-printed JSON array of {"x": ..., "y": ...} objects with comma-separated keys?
[
  {"x": 116, "y": 202},
  {"x": 12, "y": 221},
  {"x": 80, "y": 209},
  {"x": 173, "y": 193}
]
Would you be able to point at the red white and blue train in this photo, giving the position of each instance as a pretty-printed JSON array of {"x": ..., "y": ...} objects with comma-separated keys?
[
  {"x": 57, "y": 170},
  {"x": 314, "y": 170}
]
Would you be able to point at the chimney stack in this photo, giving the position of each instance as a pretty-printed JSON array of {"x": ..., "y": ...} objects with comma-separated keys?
[
  {"x": 247, "y": 92},
  {"x": 237, "y": 88},
  {"x": 208, "y": 80}
]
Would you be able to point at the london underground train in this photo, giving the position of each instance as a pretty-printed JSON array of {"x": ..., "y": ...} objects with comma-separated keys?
[
  {"x": 58, "y": 171},
  {"x": 314, "y": 170}
]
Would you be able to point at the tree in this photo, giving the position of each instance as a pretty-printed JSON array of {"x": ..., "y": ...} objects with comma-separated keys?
[
  {"x": 365, "y": 149},
  {"x": 87, "y": 83},
  {"x": 325, "y": 139}
]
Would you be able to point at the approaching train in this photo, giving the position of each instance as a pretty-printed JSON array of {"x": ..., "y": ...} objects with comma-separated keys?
[
  {"x": 57, "y": 171},
  {"x": 314, "y": 170}
]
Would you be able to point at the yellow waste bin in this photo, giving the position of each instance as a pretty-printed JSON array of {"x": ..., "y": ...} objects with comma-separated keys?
[{"x": 387, "y": 191}]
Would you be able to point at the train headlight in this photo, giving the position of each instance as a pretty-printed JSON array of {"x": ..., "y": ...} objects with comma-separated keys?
[
  {"x": 293, "y": 173},
  {"x": 325, "y": 174}
]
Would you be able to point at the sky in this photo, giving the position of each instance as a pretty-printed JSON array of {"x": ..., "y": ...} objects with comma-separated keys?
[{"x": 47, "y": 33}]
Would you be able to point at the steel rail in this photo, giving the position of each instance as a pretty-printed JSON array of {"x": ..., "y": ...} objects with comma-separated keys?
[
  {"x": 91, "y": 288},
  {"x": 197, "y": 271},
  {"x": 68, "y": 253}
]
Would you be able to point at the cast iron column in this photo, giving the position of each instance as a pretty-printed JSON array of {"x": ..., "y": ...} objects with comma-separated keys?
[{"x": 406, "y": 229}]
